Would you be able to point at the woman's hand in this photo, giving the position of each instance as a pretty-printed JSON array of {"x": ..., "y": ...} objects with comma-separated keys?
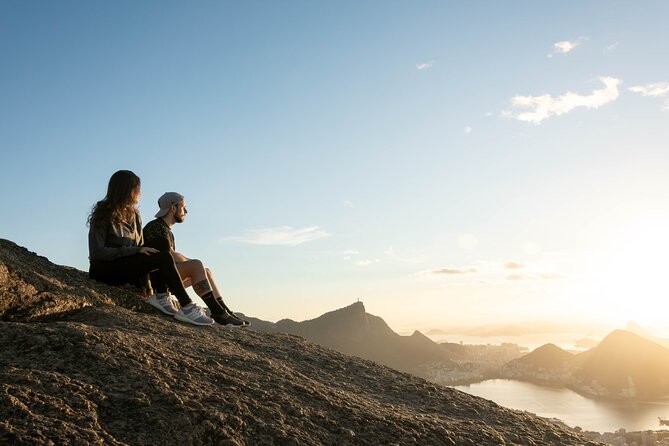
[{"x": 146, "y": 250}]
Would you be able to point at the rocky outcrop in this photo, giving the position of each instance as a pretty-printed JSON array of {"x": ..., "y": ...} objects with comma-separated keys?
[
  {"x": 32, "y": 288},
  {"x": 81, "y": 363}
]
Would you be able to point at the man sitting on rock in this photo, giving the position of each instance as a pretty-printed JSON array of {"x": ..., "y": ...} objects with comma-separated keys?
[{"x": 158, "y": 234}]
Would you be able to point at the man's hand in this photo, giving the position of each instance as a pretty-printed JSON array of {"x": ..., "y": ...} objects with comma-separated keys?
[{"x": 147, "y": 251}]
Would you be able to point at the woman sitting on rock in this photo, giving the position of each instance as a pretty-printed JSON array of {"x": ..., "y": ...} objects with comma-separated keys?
[{"x": 115, "y": 247}]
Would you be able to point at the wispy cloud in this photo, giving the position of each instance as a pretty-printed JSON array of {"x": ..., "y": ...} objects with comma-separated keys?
[
  {"x": 656, "y": 90},
  {"x": 349, "y": 253},
  {"x": 535, "y": 109},
  {"x": 348, "y": 204},
  {"x": 514, "y": 265},
  {"x": 356, "y": 258},
  {"x": 467, "y": 130},
  {"x": 448, "y": 271},
  {"x": 566, "y": 46},
  {"x": 284, "y": 235},
  {"x": 494, "y": 272},
  {"x": 425, "y": 65},
  {"x": 610, "y": 48}
]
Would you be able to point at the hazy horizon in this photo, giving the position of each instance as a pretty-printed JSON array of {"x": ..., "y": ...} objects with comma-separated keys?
[
  {"x": 448, "y": 164},
  {"x": 508, "y": 331}
]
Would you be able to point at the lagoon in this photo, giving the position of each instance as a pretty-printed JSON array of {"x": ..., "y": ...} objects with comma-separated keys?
[{"x": 570, "y": 407}]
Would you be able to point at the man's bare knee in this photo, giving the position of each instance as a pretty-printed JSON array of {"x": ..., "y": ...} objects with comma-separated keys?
[{"x": 190, "y": 268}]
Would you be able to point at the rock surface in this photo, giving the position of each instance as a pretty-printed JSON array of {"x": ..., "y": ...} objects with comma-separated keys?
[{"x": 82, "y": 363}]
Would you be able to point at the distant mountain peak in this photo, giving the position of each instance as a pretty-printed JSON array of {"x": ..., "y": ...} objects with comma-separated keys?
[
  {"x": 418, "y": 339},
  {"x": 547, "y": 356},
  {"x": 418, "y": 334},
  {"x": 549, "y": 347},
  {"x": 629, "y": 365},
  {"x": 619, "y": 334},
  {"x": 356, "y": 306},
  {"x": 623, "y": 339}
]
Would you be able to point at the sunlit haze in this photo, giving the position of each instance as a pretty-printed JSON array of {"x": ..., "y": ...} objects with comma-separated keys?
[{"x": 446, "y": 163}]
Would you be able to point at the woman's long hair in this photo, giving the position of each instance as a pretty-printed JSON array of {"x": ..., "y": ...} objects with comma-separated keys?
[{"x": 119, "y": 204}]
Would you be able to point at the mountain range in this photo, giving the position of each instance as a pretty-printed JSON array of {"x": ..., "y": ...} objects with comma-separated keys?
[
  {"x": 353, "y": 331},
  {"x": 623, "y": 364}
]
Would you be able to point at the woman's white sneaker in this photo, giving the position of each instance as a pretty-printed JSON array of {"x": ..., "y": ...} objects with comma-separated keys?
[
  {"x": 164, "y": 303},
  {"x": 193, "y": 314}
]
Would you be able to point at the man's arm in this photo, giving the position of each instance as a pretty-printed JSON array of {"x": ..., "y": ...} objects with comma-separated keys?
[
  {"x": 163, "y": 244},
  {"x": 159, "y": 237},
  {"x": 159, "y": 243}
]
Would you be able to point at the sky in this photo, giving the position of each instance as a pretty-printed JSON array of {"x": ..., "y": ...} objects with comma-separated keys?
[{"x": 446, "y": 163}]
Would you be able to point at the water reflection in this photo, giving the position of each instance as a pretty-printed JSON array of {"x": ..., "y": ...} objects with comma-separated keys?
[{"x": 570, "y": 407}]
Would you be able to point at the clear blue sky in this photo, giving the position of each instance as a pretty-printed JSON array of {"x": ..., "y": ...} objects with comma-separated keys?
[{"x": 344, "y": 150}]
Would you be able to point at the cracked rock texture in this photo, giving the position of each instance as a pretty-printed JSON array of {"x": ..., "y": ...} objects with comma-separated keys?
[{"x": 83, "y": 363}]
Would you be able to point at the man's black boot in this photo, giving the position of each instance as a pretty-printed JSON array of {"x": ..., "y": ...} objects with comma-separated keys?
[
  {"x": 229, "y": 311},
  {"x": 219, "y": 314}
]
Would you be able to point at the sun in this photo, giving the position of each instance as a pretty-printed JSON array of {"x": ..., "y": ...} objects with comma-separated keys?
[{"x": 629, "y": 279}]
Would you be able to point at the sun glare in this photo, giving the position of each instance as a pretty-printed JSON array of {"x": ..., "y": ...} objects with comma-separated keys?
[{"x": 628, "y": 280}]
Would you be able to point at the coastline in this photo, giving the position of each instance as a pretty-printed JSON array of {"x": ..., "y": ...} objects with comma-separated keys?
[{"x": 574, "y": 409}]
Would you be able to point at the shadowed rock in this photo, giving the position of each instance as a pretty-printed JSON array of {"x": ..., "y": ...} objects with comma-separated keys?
[{"x": 32, "y": 288}]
